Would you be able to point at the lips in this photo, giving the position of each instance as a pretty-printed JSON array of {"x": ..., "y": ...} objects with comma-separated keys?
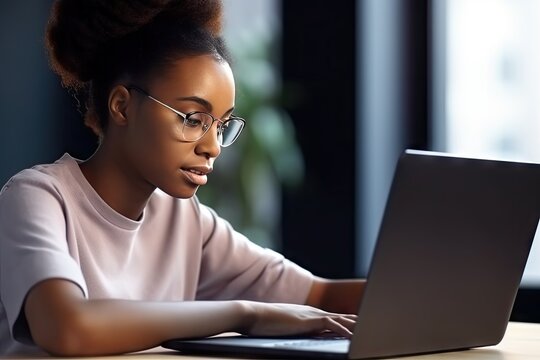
[{"x": 196, "y": 174}]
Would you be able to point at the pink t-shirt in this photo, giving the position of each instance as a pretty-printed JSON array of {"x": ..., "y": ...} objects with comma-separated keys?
[{"x": 54, "y": 225}]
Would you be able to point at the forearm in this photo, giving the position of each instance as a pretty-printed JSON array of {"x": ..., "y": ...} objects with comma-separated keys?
[
  {"x": 62, "y": 322},
  {"x": 341, "y": 296},
  {"x": 116, "y": 326}
]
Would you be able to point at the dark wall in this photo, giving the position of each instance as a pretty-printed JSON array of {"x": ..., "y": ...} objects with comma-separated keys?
[
  {"x": 319, "y": 70},
  {"x": 416, "y": 91},
  {"x": 38, "y": 119},
  {"x": 322, "y": 53},
  {"x": 526, "y": 306}
]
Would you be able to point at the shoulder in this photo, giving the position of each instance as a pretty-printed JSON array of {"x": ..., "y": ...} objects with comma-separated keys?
[
  {"x": 28, "y": 179},
  {"x": 43, "y": 174},
  {"x": 45, "y": 180},
  {"x": 32, "y": 206}
]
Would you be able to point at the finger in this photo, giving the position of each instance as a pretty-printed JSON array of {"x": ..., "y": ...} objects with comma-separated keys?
[
  {"x": 348, "y": 323},
  {"x": 343, "y": 316},
  {"x": 349, "y": 316},
  {"x": 336, "y": 327}
]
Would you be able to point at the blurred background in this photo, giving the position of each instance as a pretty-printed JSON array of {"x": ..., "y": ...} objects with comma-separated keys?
[{"x": 333, "y": 93}]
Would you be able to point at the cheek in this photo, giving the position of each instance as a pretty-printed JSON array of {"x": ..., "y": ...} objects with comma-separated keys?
[
  {"x": 155, "y": 151},
  {"x": 149, "y": 142},
  {"x": 142, "y": 135}
]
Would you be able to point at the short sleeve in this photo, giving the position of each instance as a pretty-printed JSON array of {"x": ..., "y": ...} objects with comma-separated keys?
[
  {"x": 33, "y": 245},
  {"x": 235, "y": 268}
]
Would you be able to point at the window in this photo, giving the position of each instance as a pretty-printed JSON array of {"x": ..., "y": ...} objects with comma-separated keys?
[{"x": 490, "y": 92}]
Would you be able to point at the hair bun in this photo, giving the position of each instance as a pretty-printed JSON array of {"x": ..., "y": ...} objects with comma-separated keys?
[
  {"x": 80, "y": 32},
  {"x": 203, "y": 13}
]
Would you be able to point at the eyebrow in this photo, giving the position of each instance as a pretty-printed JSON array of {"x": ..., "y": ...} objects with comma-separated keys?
[
  {"x": 198, "y": 100},
  {"x": 205, "y": 103}
]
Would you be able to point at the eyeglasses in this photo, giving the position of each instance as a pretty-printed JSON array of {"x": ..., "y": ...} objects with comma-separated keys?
[{"x": 196, "y": 124}]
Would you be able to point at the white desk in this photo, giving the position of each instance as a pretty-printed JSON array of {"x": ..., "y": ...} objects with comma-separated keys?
[{"x": 521, "y": 342}]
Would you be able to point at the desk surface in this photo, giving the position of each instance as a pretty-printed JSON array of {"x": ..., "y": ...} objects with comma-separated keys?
[{"x": 521, "y": 341}]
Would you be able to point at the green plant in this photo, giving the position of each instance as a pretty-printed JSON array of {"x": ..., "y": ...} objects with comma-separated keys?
[{"x": 245, "y": 187}]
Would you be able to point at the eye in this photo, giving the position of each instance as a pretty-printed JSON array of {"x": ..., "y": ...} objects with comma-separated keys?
[
  {"x": 194, "y": 120},
  {"x": 225, "y": 124}
]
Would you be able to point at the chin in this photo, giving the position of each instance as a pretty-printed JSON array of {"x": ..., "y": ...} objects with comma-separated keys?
[{"x": 184, "y": 193}]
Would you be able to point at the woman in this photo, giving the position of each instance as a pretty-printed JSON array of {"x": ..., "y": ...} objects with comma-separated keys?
[{"x": 115, "y": 254}]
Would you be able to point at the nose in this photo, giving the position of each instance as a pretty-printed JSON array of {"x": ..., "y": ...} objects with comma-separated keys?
[{"x": 209, "y": 145}]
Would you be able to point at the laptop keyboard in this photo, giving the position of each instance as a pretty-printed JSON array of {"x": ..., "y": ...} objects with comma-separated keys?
[{"x": 317, "y": 343}]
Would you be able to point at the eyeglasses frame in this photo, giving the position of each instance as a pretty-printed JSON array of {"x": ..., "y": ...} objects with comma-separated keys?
[{"x": 184, "y": 117}]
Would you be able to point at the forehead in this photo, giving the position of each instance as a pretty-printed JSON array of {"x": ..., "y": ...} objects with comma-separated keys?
[{"x": 202, "y": 76}]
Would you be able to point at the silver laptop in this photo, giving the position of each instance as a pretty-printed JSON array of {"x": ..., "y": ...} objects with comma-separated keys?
[{"x": 450, "y": 254}]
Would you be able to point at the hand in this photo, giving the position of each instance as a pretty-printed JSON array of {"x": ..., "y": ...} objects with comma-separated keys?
[{"x": 271, "y": 319}]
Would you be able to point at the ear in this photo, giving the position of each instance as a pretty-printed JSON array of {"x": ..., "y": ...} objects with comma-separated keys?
[{"x": 119, "y": 98}]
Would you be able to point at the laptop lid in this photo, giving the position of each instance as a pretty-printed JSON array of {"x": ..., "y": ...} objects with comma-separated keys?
[
  {"x": 451, "y": 251},
  {"x": 450, "y": 255}
]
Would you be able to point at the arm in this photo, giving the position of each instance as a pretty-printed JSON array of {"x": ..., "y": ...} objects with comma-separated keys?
[
  {"x": 342, "y": 296},
  {"x": 63, "y": 322}
]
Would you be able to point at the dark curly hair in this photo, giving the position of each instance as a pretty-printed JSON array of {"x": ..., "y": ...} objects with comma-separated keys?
[{"x": 93, "y": 43}]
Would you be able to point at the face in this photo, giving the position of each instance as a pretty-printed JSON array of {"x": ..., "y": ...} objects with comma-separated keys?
[{"x": 152, "y": 141}]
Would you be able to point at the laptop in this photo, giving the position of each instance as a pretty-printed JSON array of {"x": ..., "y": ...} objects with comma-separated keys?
[{"x": 450, "y": 254}]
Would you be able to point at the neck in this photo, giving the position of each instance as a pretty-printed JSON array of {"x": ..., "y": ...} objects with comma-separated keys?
[{"x": 116, "y": 182}]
